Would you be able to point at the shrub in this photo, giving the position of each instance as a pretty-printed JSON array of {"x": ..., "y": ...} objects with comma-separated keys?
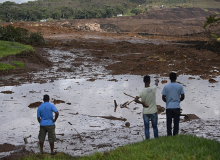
[
  {"x": 36, "y": 38},
  {"x": 136, "y": 11},
  {"x": 9, "y": 33}
]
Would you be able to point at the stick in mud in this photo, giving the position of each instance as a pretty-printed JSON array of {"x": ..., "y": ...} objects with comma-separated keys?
[
  {"x": 78, "y": 134},
  {"x": 115, "y": 105},
  {"x": 129, "y": 95}
]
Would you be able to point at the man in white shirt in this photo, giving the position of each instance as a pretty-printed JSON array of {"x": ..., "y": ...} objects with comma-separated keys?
[{"x": 148, "y": 100}]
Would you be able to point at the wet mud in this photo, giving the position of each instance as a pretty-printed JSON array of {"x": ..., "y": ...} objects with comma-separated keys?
[{"x": 92, "y": 78}]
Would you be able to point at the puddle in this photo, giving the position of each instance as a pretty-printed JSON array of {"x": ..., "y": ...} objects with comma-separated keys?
[{"x": 88, "y": 121}]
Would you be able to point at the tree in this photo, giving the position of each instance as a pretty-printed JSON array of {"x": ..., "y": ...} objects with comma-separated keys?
[
  {"x": 212, "y": 21},
  {"x": 136, "y": 11}
]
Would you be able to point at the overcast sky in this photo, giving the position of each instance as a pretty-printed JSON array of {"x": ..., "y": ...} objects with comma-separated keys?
[{"x": 16, "y": 1}]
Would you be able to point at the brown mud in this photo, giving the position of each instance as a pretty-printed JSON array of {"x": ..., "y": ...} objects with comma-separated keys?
[{"x": 155, "y": 43}]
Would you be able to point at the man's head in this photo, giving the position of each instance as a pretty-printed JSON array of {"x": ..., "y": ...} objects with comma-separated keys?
[
  {"x": 173, "y": 76},
  {"x": 46, "y": 98},
  {"x": 146, "y": 79}
]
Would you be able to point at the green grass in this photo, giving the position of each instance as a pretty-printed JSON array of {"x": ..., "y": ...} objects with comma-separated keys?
[
  {"x": 18, "y": 64},
  {"x": 11, "y": 48},
  {"x": 6, "y": 67},
  {"x": 182, "y": 147}
]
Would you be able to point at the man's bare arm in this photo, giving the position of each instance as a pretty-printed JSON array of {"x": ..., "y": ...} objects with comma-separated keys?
[
  {"x": 164, "y": 98},
  {"x": 138, "y": 101},
  {"x": 182, "y": 97},
  {"x": 56, "y": 116},
  {"x": 39, "y": 119}
]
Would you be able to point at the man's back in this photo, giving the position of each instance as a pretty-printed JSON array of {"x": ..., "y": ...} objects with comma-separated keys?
[
  {"x": 172, "y": 91},
  {"x": 45, "y": 111},
  {"x": 148, "y": 96}
]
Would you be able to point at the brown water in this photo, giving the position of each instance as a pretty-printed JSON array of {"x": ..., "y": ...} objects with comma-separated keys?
[{"x": 81, "y": 129}]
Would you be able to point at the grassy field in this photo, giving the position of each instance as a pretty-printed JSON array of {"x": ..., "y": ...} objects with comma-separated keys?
[
  {"x": 11, "y": 48},
  {"x": 182, "y": 147}
]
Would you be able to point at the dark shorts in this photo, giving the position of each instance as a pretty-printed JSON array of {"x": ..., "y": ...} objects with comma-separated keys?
[{"x": 47, "y": 129}]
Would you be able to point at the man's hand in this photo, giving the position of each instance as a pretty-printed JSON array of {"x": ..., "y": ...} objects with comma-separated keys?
[
  {"x": 137, "y": 101},
  {"x": 145, "y": 106}
]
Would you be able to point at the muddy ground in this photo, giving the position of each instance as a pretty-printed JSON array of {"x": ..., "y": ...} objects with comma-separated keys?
[{"x": 155, "y": 43}]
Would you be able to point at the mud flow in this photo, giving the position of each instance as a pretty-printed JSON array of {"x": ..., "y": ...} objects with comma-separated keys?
[
  {"x": 88, "y": 121},
  {"x": 88, "y": 73}
]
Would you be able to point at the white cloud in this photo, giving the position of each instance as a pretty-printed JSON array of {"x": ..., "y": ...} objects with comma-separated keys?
[{"x": 16, "y": 1}]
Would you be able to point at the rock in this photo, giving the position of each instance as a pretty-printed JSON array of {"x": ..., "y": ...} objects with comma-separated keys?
[{"x": 127, "y": 124}]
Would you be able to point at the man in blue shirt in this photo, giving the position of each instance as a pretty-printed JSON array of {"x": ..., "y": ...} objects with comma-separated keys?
[
  {"x": 173, "y": 94},
  {"x": 47, "y": 123}
]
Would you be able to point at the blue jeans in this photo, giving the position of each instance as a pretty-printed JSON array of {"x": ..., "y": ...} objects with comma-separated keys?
[{"x": 154, "y": 120}]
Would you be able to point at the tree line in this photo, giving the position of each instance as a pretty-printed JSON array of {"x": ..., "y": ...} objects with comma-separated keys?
[{"x": 71, "y": 9}]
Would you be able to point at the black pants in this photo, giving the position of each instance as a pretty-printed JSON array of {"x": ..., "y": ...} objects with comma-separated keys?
[{"x": 173, "y": 114}]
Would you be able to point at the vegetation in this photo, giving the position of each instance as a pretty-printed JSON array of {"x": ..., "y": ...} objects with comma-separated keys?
[
  {"x": 212, "y": 21},
  {"x": 9, "y": 33},
  {"x": 12, "y": 48},
  {"x": 6, "y": 67},
  {"x": 182, "y": 147},
  {"x": 18, "y": 64},
  {"x": 83, "y": 9}
]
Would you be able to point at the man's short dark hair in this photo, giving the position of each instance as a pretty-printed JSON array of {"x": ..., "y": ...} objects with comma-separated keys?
[
  {"x": 46, "y": 98},
  {"x": 146, "y": 79},
  {"x": 173, "y": 76}
]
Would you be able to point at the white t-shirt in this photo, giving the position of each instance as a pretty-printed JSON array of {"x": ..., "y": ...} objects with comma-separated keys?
[{"x": 148, "y": 96}]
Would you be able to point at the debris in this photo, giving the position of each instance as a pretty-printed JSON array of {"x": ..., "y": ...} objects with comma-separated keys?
[
  {"x": 7, "y": 92},
  {"x": 188, "y": 117},
  {"x": 78, "y": 134},
  {"x": 115, "y": 105},
  {"x": 129, "y": 95},
  {"x": 124, "y": 105},
  {"x": 212, "y": 81},
  {"x": 127, "y": 124},
  {"x": 111, "y": 118},
  {"x": 35, "y": 105},
  {"x": 25, "y": 139},
  {"x": 61, "y": 134},
  {"x": 164, "y": 81},
  {"x": 160, "y": 109},
  {"x": 55, "y": 101}
]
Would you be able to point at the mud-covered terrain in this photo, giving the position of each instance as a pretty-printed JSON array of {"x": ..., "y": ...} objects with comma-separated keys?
[{"x": 156, "y": 43}]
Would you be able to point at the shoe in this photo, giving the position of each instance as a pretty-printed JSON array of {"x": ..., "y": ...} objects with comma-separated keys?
[{"x": 53, "y": 153}]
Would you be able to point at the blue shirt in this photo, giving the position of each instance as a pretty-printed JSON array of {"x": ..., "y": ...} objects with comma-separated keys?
[
  {"x": 45, "y": 112},
  {"x": 172, "y": 91}
]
